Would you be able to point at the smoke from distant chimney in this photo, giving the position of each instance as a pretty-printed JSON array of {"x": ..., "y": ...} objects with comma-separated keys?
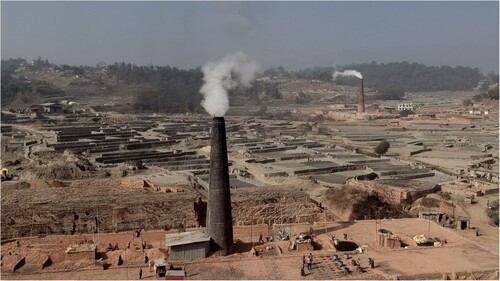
[
  {"x": 218, "y": 79},
  {"x": 349, "y": 73}
]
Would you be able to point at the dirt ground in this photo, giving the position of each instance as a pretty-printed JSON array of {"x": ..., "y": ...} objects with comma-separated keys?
[
  {"x": 464, "y": 256},
  {"x": 463, "y": 252}
]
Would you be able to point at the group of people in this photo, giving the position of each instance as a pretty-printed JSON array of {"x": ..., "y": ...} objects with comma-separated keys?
[
  {"x": 307, "y": 260},
  {"x": 335, "y": 237}
]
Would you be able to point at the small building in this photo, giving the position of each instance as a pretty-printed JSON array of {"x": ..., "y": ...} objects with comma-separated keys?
[
  {"x": 83, "y": 253},
  {"x": 175, "y": 274},
  {"x": 303, "y": 243},
  {"x": 406, "y": 106},
  {"x": 437, "y": 217},
  {"x": 160, "y": 267},
  {"x": 50, "y": 107},
  {"x": 188, "y": 245},
  {"x": 387, "y": 239},
  {"x": 35, "y": 111},
  {"x": 476, "y": 111},
  {"x": 463, "y": 223},
  {"x": 469, "y": 199}
]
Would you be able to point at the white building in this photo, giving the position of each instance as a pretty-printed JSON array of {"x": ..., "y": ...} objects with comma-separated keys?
[
  {"x": 406, "y": 106},
  {"x": 479, "y": 111}
]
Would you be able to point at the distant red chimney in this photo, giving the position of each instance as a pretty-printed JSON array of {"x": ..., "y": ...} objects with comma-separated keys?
[{"x": 361, "y": 99}]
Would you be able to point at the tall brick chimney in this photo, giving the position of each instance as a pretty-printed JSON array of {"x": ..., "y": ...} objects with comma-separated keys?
[
  {"x": 361, "y": 99},
  {"x": 219, "y": 218}
]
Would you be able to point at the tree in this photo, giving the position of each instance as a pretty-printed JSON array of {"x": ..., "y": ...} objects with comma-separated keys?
[
  {"x": 468, "y": 102},
  {"x": 493, "y": 77},
  {"x": 493, "y": 93},
  {"x": 382, "y": 147}
]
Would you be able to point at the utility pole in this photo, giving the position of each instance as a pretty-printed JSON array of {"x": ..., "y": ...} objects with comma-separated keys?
[
  {"x": 364, "y": 233},
  {"x": 32, "y": 222},
  {"x": 429, "y": 228},
  {"x": 251, "y": 228},
  {"x": 281, "y": 210},
  {"x": 97, "y": 227},
  {"x": 324, "y": 212},
  {"x": 126, "y": 264}
]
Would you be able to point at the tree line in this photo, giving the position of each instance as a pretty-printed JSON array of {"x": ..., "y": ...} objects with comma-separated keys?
[
  {"x": 395, "y": 75},
  {"x": 177, "y": 90}
]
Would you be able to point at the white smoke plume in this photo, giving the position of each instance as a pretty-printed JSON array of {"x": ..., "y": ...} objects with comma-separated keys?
[
  {"x": 218, "y": 79},
  {"x": 347, "y": 73}
]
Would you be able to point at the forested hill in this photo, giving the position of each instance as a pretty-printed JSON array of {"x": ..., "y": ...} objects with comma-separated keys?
[
  {"x": 417, "y": 76},
  {"x": 169, "y": 89},
  {"x": 395, "y": 75}
]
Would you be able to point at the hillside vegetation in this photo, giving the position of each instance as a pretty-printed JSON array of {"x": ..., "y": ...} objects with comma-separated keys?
[
  {"x": 173, "y": 90},
  {"x": 403, "y": 75}
]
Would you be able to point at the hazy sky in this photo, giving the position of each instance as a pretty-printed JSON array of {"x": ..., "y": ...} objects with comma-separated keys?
[{"x": 292, "y": 34}]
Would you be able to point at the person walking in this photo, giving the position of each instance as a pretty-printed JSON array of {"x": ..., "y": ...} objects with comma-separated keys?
[
  {"x": 140, "y": 273},
  {"x": 260, "y": 238}
]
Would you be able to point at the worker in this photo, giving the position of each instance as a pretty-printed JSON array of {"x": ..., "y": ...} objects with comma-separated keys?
[
  {"x": 345, "y": 236},
  {"x": 477, "y": 231},
  {"x": 260, "y": 238},
  {"x": 302, "y": 271},
  {"x": 140, "y": 273},
  {"x": 371, "y": 262},
  {"x": 308, "y": 262}
]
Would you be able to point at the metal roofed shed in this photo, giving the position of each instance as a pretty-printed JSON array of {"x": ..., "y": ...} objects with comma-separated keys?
[
  {"x": 188, "y": 245},
  {"x": 83, "y": 253}
]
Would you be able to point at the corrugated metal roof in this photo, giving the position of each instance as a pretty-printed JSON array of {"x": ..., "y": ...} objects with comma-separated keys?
[
  {"x": 81, "y": 248},
  {"x": 173, "y": 272},
  {"x": 186, "y": 238}
]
